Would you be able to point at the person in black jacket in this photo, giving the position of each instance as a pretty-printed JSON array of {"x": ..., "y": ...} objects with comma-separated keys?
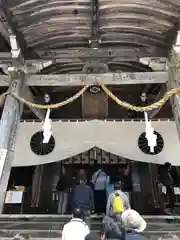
[
  {"x": 166, "y": 178},
  {"x": 83, "y": 198},
  {"x": 63, "y": 187}
]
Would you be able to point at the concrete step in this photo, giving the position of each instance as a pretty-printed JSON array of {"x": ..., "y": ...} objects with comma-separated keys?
[
  {"x": 50, "y": 226},
  {"x": 59, "y": 225},
  {"x": 46, "y": 234},
  {"x": 58, "y": 218}
]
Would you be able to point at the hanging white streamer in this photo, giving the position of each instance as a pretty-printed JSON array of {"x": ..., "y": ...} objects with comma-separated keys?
[
  {"x": 47, "y": 127},
  {"x": 151, "y": 137}
]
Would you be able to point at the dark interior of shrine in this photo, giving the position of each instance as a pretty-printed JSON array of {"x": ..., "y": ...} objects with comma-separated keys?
[{"x": 139, "y": 177}]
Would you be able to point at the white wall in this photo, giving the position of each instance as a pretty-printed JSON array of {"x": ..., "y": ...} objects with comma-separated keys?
[{"x": 119, "y": 138}]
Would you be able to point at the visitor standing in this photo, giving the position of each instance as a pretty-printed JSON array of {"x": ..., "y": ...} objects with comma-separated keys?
[
  {"x": 113, "y": 228},
  {"x": 62, "y": 187},
  {"x": 83, "y": 198},
  {"x": 117, "y": 201},
  {"x": 100, "y": 180},
  {"x": 134, "y": 225},
  {"x": 76, "y": 228},
  {"x": 166, "y": 178}
]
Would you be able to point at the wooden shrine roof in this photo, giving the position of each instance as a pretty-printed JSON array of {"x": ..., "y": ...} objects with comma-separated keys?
[
  {"x": 121, "y": 31},
  {"x": 88, "y": 36}
]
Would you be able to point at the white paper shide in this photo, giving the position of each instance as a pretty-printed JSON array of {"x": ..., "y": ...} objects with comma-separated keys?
[
  {"x": 47, "y": 127},
  {"x": 150, "y": 136}
]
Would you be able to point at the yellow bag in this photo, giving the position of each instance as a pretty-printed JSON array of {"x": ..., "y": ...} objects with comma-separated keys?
[{"x": 118, "y": 206}]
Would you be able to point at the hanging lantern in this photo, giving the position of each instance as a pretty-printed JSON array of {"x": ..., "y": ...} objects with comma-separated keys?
[{"x": 150, "y": 136}]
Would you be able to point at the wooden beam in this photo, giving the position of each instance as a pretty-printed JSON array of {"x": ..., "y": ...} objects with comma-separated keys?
[
  {"x": 96, "y": 79},
  {"x": 9, "y": 125},
  {"x": 9, "y": 27},
  {"x": 83, "y": 54},
  {"x": 90, "y": 53},
  {"x": 40, "y": 113},
  {"x": 92, "y": 79}
]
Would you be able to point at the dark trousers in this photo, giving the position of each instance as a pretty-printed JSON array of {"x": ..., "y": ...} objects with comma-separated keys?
[
  {"x": 86, "y": 216},
  {"x": 100, "y": 201},
  {"x": 171, "y": 195}
]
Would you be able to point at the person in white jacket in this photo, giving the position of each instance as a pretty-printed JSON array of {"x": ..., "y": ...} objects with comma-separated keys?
[{"x": 76, "y": 228}]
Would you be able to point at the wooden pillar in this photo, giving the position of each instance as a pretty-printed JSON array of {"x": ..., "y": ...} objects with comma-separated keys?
[
  {"x": 46, "y": 195},
  {"x": 36, "y": 185},
  {"x": 147, "y": 193},
  {"x": 94, "y": 105},
  {"x": 174, "y": 81},
  {"x": 9, "y": 124}
]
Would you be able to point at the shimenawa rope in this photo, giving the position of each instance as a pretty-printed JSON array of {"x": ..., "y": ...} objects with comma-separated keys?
[
  {"x": 49, "y": 106},
  {"x": 121, "y": 103},
  {"x": 155, "y": 105}
]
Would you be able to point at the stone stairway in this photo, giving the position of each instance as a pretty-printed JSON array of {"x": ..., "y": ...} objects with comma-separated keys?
[{"x": 49, "y": 226}]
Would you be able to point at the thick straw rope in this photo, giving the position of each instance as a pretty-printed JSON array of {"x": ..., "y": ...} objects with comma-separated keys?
[
  {"x": 50, "y": 106},
  {"x": 121, "y": 103},
  {"x": 155, "y": 105}
]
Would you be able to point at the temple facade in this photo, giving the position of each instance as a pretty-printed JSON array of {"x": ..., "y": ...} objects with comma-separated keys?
[{"x": 98, "y": 67}]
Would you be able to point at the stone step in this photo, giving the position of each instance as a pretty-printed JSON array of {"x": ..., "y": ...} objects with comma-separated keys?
[
  {"x": 50, "y": 226},
  {"x": 38, "y": 218},
  {"x": 64, "y": 218},
  {"x": 54, "y": 234},
  {"x": 39, "y": 226},
  {"x": 94, "y": 225}
]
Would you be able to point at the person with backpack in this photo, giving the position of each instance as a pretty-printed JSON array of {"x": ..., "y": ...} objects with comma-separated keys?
[
  {"x": 117, "y": 202},
  {"x": 113, "y": 227}
]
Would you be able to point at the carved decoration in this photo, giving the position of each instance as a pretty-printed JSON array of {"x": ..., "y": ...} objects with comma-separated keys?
[{"x": 95, "y": 155}]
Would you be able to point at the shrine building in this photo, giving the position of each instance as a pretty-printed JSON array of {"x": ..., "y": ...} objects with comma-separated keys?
[{"x": 98, "y": 66}]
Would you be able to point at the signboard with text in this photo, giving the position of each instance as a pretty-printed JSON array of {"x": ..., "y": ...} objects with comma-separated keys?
[{"x": 14, "y": 197}]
